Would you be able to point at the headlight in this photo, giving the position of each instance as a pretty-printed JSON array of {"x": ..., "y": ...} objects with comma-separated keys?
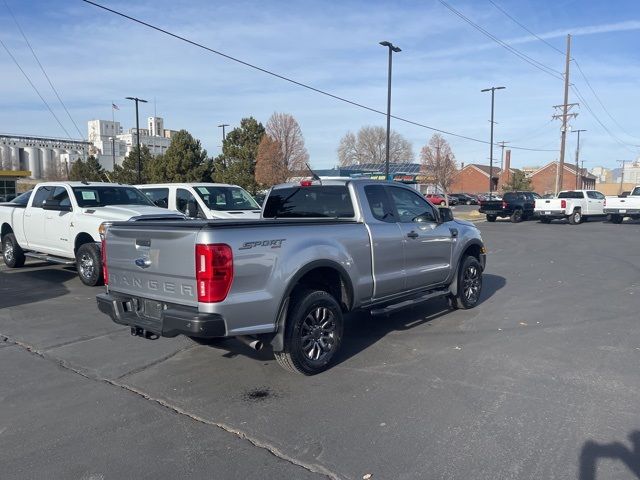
[{"x": 102, "y": 229}]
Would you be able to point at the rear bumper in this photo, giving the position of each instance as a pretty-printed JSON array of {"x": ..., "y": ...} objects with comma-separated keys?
[
  {"x": 622, "y": 211},
  {"x": 551, "y": 213},
  {"x": 497, "y": 213},
  {"x": 173, "y": 320}
]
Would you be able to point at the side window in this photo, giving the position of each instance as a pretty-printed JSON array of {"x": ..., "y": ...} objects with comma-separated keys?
[
  {"x": 41, "y": 195},
  {"x": 183, "y": 197},
  {"x": 159, "y": 196},
  {"x": 379, "y": 203},
  {"x": 411, "y": 207},
  {"x": 61, "y": 195},
  {"x": 599, "y": 196}
]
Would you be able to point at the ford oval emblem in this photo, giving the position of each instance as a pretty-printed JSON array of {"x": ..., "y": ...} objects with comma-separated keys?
[{"x": 143, "y": 262}]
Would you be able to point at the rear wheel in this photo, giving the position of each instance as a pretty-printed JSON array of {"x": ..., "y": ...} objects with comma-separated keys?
[
  {"x": 616, "y": 218},
  {"x": 313, "y": 333},
  {"x": 12, "y": 252},
  {"x": 516, "y": 216},
  {"x": 469, "y": 284},
  {"x": 89, "y": 264},
  {"x": 491, "y": 218},
  {"x": 575, "y": 218}
]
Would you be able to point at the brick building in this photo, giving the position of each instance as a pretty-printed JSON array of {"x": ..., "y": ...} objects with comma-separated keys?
[
  {"x": 474, "y": 178},
  {"x": 543, "y": 180}
]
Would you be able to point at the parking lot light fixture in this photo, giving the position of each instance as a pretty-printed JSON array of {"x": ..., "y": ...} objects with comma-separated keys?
[
  {"x": 392, "y": 48},
  {"x": 493, "y": 91}
]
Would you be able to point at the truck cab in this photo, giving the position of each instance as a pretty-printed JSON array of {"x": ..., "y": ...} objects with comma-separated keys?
[{"x": 208, "y": 201}]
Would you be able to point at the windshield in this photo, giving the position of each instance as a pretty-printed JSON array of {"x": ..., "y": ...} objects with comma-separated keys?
[
  {"x": 103, "y": 196},
  {"x": 226, "y": 198},
  {"x": 22, "y": 199}
]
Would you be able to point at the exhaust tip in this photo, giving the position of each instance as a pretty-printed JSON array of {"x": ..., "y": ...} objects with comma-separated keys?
[{"x": 257, "y": 345}]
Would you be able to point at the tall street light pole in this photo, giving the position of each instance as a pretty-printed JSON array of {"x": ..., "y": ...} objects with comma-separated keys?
[
  {"x": 223, "y": 126},
  {"x": 493, "y": 92},
  {"x": 392, "y": 48},
  {"x": 136, "y": 99},
  {"x": 578, "y": 158},
  {"x": 113, "y": 151}
]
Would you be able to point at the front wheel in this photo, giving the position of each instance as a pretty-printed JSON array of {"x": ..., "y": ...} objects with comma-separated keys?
[
  {"x": 469, "y": 284},
  {"x": 89, "y": 264},
  {"x": 313, "y": 333},
  {"x": 575, "y": 218},
  {"x": 491, "y": 218},
  {"x": 12, "y": 252}
]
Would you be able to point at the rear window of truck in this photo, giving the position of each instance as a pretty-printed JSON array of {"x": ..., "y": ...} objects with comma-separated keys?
[
  {"x": 315, "y": 201},
  {"x": 571, "y": 195}
]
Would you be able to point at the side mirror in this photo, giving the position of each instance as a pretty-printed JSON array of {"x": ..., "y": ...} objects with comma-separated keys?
[
  {"x": 55, "y": 205},
  {"x": 446, "y": 214},
  {"x": 192, "y": 209}
]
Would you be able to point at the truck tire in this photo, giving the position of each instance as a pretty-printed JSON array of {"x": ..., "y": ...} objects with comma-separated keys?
[
  {"x": 516, "y": 216},
  {"x": 313, "y": 332},
  {"x": 12, "y": 252},
  {"x": 491, "y": 218},
  {"x": 89, "y": 264},
  {"x": 616, "y": 218},
  {"x": 575, "y": 218},
  {"x": 469, "y": 280}
]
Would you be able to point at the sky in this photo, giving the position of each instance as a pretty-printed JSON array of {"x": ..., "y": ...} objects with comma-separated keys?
[{"x": 95, "y": 58}]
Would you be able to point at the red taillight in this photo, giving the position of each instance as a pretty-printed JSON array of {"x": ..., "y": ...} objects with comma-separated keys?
[
  {"x": 504, "y": 205},
  {"x": 306, "y": 183},
  {"x": 563, "y": 204},
  {"x": 103, "y": 256},
  {"x": 214, "y": 271}
]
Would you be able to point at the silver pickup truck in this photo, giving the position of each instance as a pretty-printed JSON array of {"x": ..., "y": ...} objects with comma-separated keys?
[{"x": 321, "y": 249}]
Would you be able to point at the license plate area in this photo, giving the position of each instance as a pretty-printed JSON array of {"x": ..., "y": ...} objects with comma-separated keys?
[
  {"x": 547, "y": 213},
  {"x": 622, "y": 210}
]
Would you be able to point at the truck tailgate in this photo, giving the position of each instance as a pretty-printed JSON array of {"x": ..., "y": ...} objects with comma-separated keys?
[
  {"x": 548, "y": 204},
  {"x": 153, "y": 263}
]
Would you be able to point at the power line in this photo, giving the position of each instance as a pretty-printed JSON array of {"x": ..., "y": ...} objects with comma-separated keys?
[
  {"x": 531, "y": 61},
  {"x": 42, "y": 68},
  {"x": 290, "y": 80},
  {"x": 600, "y": 101},
  {"x": 525, "y": 28},
  {"x": 36, "y": 89}
]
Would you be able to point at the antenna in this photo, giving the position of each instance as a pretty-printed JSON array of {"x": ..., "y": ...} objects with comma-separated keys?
[{"x": 314, "y": 175}]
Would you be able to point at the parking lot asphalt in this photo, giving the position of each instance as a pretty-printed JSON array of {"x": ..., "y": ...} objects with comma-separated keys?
[{"x": 539, "y": 381}]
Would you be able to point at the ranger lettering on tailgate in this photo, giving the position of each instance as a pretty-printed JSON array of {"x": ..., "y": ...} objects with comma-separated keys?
[{"x": 152, "y": 285}]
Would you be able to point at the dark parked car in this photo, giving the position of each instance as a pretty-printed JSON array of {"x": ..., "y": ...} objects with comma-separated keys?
[
  {"x": 516, "y": 205},
  {"x": 465, "y": 199}
]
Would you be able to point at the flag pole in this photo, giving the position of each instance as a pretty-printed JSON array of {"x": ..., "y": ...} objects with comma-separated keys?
[{"x": 113, "y": 112}]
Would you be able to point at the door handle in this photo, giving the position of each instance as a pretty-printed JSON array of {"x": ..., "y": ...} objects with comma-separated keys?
[{"x": 412, "y": 234}]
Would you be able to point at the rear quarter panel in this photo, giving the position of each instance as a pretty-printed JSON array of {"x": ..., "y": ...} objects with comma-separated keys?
[
  {"x": 14, "y": 218},
  {"x": 267, "y": 259}
]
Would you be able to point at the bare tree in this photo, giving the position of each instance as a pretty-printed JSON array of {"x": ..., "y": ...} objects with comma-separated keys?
[
  {"x": 369, "y": 146},
  {"x": 439, "y": 162},
  {"x": 270, "y": 166},
  {"x": 56, "y": 173},
  {"x": 285, "y": 129}
]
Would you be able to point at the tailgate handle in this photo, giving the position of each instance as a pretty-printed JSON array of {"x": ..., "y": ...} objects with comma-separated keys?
[{"x": 145, "y": 242}]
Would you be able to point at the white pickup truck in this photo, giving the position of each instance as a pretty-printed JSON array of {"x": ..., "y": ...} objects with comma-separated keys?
[
  {"x": 620, "y": 207},
  {"x": 60, "y": 223},
  {"x": 575, "y": 205},
  {"x": 208, "y": 201}
]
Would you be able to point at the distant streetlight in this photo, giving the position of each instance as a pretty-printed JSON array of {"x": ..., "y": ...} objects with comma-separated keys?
[
  {"x": 113, "y": 150},
  {"x": 493, "y": 91},
  {"x": 392, "y": 48},
  {"x": 223, "y": 125},
  {"x": 136, "y": 99},
  {"x": 578, "y": 174}
]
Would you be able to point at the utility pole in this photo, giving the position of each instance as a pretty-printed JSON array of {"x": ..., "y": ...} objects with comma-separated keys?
[
  {"x": 565, "y": 115},
  {"x": 392, "y": 48},
  {"x": 136, "y": 100},
  {"x": 624, "y": 162},
  {"x": 578, "y": 157},
  {"x": 223, "y": 126},
  {"x": 493, "y": 91}
]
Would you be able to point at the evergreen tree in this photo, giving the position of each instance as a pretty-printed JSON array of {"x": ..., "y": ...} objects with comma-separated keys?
[
  {"x": 88, "y": 171},
  {"x": 128, "y": 171},
  {"x": 184, "y": 161}
]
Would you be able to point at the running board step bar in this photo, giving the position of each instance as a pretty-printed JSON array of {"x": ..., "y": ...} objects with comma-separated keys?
[
  {"x": 50, "y": 259},
  {"x": 408, "y": 303}
]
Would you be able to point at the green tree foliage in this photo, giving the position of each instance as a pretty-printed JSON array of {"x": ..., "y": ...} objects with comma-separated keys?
[
  {"x": 184, "y": 161},
  {"x": 128, "y": 171},
  {"x": 237, "y": 163},
  {"x": 89, "y": 170},
  {"x": 517, "y": 181}
]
